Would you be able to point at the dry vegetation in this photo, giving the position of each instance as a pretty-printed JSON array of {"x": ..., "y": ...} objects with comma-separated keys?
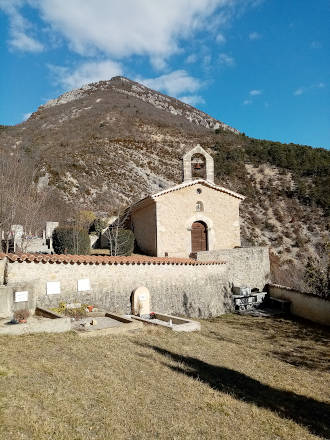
[
  {"x": 117, "y": 142},
  {"x": 240, "y": 378}
]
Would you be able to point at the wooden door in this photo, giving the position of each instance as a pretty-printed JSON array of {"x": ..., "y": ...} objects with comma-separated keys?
[{"x": 198, "y": 237}]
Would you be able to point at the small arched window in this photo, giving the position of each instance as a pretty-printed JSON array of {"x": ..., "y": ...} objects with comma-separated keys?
[{"x": 199, "y": 206}]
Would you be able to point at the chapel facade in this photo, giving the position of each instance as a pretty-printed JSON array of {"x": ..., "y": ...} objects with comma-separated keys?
[{"x": 194, "y": 216}]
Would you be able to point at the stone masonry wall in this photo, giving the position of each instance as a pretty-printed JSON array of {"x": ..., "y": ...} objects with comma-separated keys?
[
  {"x": 2, "y": 271},
  {"x": 246, "y": 266},
  {"x": 176, "y": 212},
  {"x": 305, "y": 305},
  {"x": 197, "y": 291}
]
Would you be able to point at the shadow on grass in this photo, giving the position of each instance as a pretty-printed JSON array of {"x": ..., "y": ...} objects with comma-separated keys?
[
  {"x": 292, "y": 340},
  {"x": 305, "y": 411}
]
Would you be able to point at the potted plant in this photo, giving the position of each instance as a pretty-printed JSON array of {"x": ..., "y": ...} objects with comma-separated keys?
[{"x": 21, "y": 315}]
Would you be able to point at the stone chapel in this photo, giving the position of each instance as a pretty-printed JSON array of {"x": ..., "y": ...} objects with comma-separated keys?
[{"x": 194, "y": 216}]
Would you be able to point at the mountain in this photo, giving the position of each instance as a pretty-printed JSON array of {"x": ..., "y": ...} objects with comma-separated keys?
[{"x": 113, "y": 142}]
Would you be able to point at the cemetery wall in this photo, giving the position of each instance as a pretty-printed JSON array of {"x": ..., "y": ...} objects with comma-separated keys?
[
  {"x": 247, "y": 267},
  {"x": 2, "y": 270},
  {"x": 305, "y": 305},
  {"x": 196, "y": 290}
]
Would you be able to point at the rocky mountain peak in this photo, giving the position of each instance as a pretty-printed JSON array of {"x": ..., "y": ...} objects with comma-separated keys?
[{"x": 128, "y": 87}]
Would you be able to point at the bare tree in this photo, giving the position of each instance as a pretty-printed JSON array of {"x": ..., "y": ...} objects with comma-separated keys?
[
  {"x": 20, "y": 201},
  {"x": 120, "y": 239}
]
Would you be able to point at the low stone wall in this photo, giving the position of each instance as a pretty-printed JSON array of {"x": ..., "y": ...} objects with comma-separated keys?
[
  {"x": 6, "y": 300},
  {"x": 305, "y": 305},
  {"x": 186, "y": 289},
  {"x": 246, "y": 266}
]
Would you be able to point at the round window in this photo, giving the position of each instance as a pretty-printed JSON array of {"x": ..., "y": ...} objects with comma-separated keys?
[{"x": 199, "y": 190}]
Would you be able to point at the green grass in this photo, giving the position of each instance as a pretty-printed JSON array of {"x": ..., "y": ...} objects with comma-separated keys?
[{"x": 240, "y": 378}]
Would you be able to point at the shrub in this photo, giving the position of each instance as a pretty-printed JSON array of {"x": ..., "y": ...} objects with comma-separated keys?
[
  {"x": 97, "y": 226},
  {"x": 301, "y": 240},
  {"x": 270, "y": 226},
  {"x": 317, "y": 277},
  {"x": 121, "y": 241},
  {"x": 85, "y": 219},
  {"x": 68, "y": 240}
]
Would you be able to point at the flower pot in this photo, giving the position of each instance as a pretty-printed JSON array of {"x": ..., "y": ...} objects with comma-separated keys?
[
  {"x": 90, "y": 308},
  {"x": 22, "y": 321}
]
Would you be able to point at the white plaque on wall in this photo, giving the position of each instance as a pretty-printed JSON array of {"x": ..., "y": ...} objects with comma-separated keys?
[
  {"x": 53, "y": 287},
  {"x": 84, "y": 285},
  {"x": 21, "y": 296}
]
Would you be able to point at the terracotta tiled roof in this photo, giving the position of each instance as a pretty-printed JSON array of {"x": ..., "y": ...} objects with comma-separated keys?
[{"x": 93, "y": 259}]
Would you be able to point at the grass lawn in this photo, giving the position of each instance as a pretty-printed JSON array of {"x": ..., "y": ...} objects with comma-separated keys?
[{"x": 240, "y": 378}]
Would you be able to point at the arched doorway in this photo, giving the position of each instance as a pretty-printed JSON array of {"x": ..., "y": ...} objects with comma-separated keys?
[{"x": 198, "y": 237}]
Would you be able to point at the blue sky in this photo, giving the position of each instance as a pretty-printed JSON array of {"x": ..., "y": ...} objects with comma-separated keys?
[{"x": 262, "y": 66}]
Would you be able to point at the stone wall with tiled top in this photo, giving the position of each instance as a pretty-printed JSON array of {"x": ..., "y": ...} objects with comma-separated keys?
[
  {"x": 246, "y": 266},
  {"x": 183, "y": 287}
]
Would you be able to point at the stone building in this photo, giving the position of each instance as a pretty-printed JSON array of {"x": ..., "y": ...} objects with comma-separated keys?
[{"x": 194, "y": 216}]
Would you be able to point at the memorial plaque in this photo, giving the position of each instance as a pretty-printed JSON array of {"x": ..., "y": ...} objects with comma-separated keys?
[
  {"x": 21, "y": 296},
  {"x": 84, "y": 285},
  {"x": 53, "y": 287}
]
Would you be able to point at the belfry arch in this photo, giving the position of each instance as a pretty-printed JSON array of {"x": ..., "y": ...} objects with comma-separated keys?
[{"x": 198, "y": 159}]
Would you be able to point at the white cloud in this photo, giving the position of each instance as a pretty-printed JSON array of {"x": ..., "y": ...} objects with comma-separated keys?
[
  {"x": 207, "y": 60},
  {"x": 226, "y": 60},
  {"x": 118, "y": 30},
  {"x": 174, "y": 83},
  {"x": 158, "y": 62},
  {"x": 254, "y": 36},
  {"x": 298, "y": 92},
  {"x": 121, "y": 29},
  {"x": 191, "y": 59},
  {"x": 301, "y": 90},
  {"x": 85, "y": 73},
  {"x": 192, "y": 99},
  {"x": 316, "y": 45},
  {"x": 220, "y": 38},
  {"x": 255, "y": 92},
  {"x": 18, "y": 28},
  {"x": 24, "y": 43},
  {"x": 247, "y": 102}
]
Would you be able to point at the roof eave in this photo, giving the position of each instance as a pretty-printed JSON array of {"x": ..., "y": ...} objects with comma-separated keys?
[{"x": 201, "y": 182}]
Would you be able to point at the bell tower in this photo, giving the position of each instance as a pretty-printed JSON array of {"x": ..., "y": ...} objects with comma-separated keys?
[{"x": 198, "y": 164}]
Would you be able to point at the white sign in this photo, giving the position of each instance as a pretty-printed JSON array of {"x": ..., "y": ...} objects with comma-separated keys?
[
  {"x": 84, "y": 285},
  {"x": 21, "y": 296},
  {"x": 53, "y": 287}
]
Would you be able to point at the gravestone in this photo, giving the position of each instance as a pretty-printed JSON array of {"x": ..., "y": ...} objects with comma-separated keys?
[{"x": 141, "y": 302}]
